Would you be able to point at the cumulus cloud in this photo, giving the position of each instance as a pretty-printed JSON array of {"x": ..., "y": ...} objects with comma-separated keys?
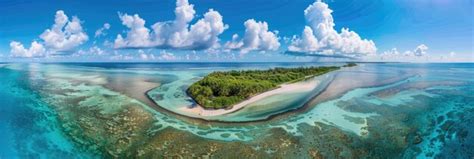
[
  {"x": 92, "y": 51},
  {"x": 420, "y": 50},
  {"x": 191, "y": 56},
  {"x": 320, "y": 37},
  {"x": 64, "y": 35},
  {"x": 145, "y": 56},
  {"x": 256, "y": 38},
  {"x": 408, "y": 55},
  {"x": 307, "y": 42},
  {"x": 35, "y": 50},
  {"x": 96, "y": 50},
  {"x": 116, "y": 56},
  {"x": 163, "y": 55},
  {"x": 167, "y": 56},
  {"x": 137, "y": 36},
  {"x": 102, "y": 31},
  {"x": 391, "y": 53},
  {"x": 176, "y": 34}
]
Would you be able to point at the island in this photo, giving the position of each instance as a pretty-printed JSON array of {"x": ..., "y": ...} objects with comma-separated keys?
[{"x": 224, "y": 89}]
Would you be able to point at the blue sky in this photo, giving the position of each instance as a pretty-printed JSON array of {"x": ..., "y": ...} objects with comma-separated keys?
[{"x": 445, "y": 27}]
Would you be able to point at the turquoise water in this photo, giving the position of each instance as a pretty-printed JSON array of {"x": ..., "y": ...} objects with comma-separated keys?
[
  {"x": 392, "y": 110},
  {"x": 29, "y": 127}
]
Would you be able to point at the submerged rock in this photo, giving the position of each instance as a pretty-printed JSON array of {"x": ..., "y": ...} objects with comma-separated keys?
[{"x": 417, "y": 139}]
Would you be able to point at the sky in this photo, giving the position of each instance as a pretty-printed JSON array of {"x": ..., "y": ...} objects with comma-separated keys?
[{"x": 236, "y": 30}]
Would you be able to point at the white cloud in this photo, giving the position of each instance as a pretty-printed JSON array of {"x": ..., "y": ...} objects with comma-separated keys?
[
  {"x": 35, "y": 50},
  {"x": 101, "y": 31},
  {"x": 192, "y": 56},
  {"x": 96, "y": 50},
  {"x": 320, "y": 37},
  {"x": 167, "y": 56},
  {"x": 408, "y": 55},
  {"x": 256, "y": 38},
  {"x": 92, "y": 51},
  {"x": 176, "y": 34},
  {"x": 64, "y": 35},
  {"x": 452, "y": 54},
  {"x": 391, "y": 53},
  {"x": 307, "y": 42},
  {"x": 137, "y": 36},
  {"x": 121, "y": 57},
  {"x": 142, "y": 55},
  {"x": 163, "y": 55},
  {"x": 420, "y": 50}
]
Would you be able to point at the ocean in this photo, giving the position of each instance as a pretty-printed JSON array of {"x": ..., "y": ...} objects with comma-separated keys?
[{"x": 107, "y": 110}]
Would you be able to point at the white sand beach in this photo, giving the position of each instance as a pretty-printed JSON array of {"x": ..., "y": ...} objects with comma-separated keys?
[{"x": 302, "y": 86}]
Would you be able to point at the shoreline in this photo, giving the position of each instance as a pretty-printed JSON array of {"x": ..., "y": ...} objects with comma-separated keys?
[
  {"x": 202, "y": 120},
  {"x": 192, "y": 111},
  {"x": 320, "y": 97},
  {"x": 301, "y": 86}
]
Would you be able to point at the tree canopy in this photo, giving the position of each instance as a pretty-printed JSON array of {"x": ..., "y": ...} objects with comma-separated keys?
[{"x": 225, "y": 89}]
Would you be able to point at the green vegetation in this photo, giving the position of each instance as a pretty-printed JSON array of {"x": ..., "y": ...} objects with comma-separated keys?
[
  {"x": 350, "y": 64},
  {"x": 224, "y": 89}
]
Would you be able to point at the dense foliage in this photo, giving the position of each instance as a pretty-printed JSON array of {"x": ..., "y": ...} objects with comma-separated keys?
[
  {"x": 350, "y": 64},
  {"x": 224, "y": 89}
]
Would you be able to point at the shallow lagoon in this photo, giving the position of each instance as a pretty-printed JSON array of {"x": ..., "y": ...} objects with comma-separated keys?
[{"x": 373, "y": 110}]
